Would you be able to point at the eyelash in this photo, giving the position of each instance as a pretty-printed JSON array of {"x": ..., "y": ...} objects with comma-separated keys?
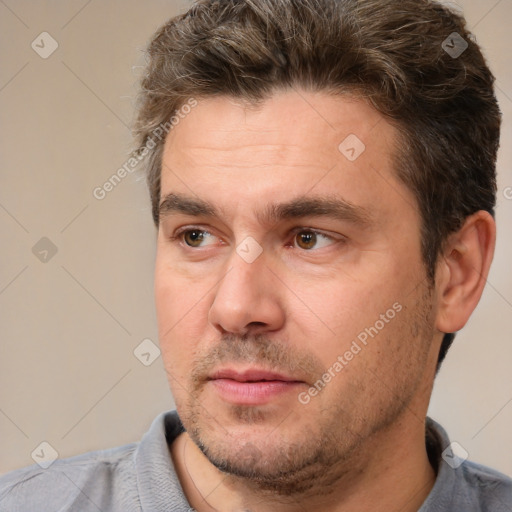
[{"x": 178, "y": 235}]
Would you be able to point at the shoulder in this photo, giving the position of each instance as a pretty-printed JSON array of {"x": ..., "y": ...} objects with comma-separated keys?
[
  {"x": 77, "y": 483},
  {"x": 462, "y": 484},
  {"x": 489, "y": 488},
  {"x": 130, "y": 478}
]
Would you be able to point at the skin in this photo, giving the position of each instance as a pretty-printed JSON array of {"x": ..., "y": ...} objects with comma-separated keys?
[{"x": 358, "y": 444}]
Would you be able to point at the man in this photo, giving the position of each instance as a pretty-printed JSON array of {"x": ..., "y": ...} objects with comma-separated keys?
[{"x": 324, "y": 201}]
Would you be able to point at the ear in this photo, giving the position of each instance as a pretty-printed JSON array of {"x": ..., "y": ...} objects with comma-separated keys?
[{"x": 463, "y": 269}]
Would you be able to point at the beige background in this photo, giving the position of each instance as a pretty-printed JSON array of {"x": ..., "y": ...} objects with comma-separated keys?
[{"x": 70, "y": 325}]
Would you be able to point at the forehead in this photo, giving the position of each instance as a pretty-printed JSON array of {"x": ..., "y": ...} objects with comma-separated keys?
[
  {"x": 292, "y": 144},
  {"x": 307, "y": 120}
]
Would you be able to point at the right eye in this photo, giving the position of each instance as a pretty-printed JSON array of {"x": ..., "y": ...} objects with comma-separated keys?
[{"x": 194, "y": 237}]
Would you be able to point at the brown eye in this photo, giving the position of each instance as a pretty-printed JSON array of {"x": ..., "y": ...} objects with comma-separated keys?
[
  {"x": 306, "y": 239},
  {"x": 310, "y": 239},
  {"x": 193, "y": 237}
]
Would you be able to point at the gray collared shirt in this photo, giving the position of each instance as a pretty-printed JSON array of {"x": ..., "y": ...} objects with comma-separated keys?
[{"x": 140, "y": 477}]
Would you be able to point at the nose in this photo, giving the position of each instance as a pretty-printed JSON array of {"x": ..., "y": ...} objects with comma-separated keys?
[{"x": 247, "y": 299}]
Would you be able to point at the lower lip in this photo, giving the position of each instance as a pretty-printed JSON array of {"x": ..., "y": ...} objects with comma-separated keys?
[{"x": 253, "y": 393}]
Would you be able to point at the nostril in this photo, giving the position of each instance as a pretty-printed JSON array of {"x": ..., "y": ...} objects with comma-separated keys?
[{"x": 257, "y": 324}]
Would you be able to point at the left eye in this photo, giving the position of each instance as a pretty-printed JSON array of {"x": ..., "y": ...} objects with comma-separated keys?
[{"x": 307, "y": 239}]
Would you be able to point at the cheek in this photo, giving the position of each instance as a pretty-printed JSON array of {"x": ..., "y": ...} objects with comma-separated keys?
[
  {"x": 174, "y": 297},
  {"x": 349, "y": 307},
  {"x": 362, "y": 318},
  {"x": 181, "y": 318},
  {"x": 166, "y": 303}
]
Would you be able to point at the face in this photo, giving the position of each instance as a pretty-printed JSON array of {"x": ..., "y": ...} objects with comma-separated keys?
[{"x": 294, "y": 313}]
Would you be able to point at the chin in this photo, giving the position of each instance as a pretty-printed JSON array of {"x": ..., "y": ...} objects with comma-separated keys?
[{"x": 270, "y": 460}]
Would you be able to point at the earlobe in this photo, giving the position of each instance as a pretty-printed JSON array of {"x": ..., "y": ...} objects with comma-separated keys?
[{"x": 463, "y": 270}]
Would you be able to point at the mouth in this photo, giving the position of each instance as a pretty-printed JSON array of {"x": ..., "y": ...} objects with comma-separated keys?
[{"x": 252, "y": 386}]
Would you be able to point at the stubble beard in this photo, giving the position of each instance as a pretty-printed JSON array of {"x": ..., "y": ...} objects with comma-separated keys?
[{"x": 327, "y": 447}]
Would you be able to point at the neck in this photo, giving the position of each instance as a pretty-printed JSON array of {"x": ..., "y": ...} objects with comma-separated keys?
[{"x": 392, "y": 472}]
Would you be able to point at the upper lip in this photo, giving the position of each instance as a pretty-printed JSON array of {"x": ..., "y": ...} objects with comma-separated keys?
[{"x": 250, "y": 375}]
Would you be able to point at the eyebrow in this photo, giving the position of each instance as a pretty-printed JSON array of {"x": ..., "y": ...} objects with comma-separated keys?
[{"x": 302, "y": 206}]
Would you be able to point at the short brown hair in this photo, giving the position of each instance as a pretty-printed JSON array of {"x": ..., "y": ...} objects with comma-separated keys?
[{"x": 394, "y": 54}]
